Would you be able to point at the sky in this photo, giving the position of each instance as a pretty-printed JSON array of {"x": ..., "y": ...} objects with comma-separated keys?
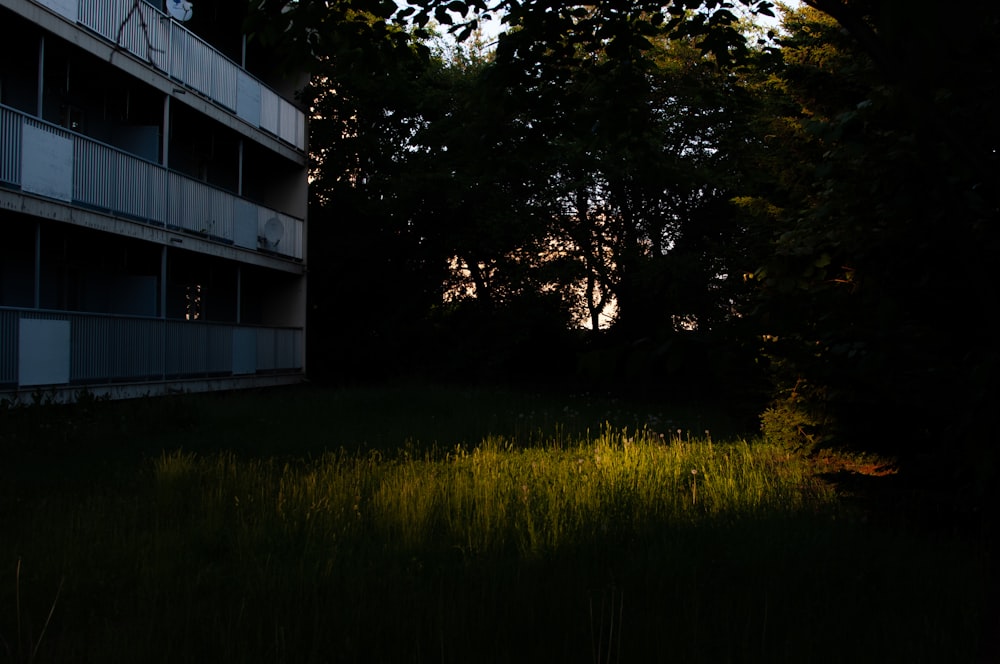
[{"x": 492, "y": 28}]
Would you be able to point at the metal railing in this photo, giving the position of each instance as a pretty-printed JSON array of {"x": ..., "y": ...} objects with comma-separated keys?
[
  {"x": 8, "y": 347},
  {"x": 111, "y": 349},
  {"x": 108, "y": 179},
  {"x": 182, "y": 55},
  {"x": 10, "y": 146}
]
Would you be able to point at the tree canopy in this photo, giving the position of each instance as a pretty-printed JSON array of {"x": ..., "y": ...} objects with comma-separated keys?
[{"x": 536, "y": 28}]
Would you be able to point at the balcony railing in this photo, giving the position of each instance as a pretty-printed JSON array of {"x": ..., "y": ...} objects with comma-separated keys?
[
  {"x": 47, "y": 160},
  {"x": 183, "y": 56},
  {"x": 89, "y": 349}
]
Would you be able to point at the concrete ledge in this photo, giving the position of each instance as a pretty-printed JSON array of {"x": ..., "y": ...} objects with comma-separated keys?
[{"x": 116, "y": 391}]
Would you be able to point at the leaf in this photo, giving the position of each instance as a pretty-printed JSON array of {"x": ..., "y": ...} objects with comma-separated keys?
[{"x": 442, "y": 16}]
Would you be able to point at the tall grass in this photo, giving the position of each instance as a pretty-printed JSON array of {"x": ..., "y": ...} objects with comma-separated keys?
[
  {"x": 495, "y": 498},
  {"x": 538, "y": 540}
]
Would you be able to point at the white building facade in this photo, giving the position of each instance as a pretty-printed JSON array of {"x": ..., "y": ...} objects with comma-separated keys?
[{"x": 153, "y": 193}]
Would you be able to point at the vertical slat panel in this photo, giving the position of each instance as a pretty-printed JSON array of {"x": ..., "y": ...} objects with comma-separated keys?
[
  {"x": 8, "y": 346},
  {"x": 198, "y": 65},
  {"x": 202, "y": 220},
  {"x": 10, "y": 147},
  {"x": 178, "y": 51},
  {"x": 131, "y": 189},
  {"x": 224, "y": 82},
  {"x": 187, "y": 349},
  {"x": 196, "y": 344},
  {"x": 265, "y": 349},
  {"x": 270, "y": 105},
  {"x": 160, "y": 30},
  {"x": 94, "y": 175},
  {"x": 219, "y": 356},
  {"x": 138, "y": 344},
  {"x": 224, "y": 210},
  {"x": 288, "y": 118},
  {"x": 172, "y": 347},
  {"x": 156, "y": 195},
  {"x": 287, "y": 349},
  {"x": 248, "y": 92},
  {"x": 88, "y": 349},
  {"x": 244, "y": 350},
  {"x": 138, "y": 30},
  {"x": 175, "y": 200},
  {"x": 96, "y": 16}
]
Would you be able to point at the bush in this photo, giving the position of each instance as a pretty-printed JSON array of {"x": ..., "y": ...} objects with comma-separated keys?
[{"x": 793, "y": 421}]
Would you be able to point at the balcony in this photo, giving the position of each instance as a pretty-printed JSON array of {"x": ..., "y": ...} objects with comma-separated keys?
[
  {"x": 52, "y": 348},
  {"x": 182, "y": 56},
  {"x": 46, "y": 160}
]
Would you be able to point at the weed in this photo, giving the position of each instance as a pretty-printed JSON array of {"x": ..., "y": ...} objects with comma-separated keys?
[
  {"x": 607, "y": 624},
  {"x": 26, "y": 647}
]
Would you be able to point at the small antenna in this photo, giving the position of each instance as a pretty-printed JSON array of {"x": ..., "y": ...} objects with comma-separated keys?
[{"x": 180, "y": 9}]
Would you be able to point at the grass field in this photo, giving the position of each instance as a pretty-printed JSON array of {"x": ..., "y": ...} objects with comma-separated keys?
[{"x": 435, "y": 524}]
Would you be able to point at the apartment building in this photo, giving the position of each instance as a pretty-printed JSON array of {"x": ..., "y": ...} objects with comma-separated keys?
[{"x": 153, "y": 190}]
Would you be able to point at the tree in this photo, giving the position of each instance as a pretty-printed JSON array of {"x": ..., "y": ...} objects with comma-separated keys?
[
  {"x": 370, "y": 278},
  {"x": 889, "y": 241},
  {"x": 559, "y": 177},
  {"x": 613, "y": 178}
]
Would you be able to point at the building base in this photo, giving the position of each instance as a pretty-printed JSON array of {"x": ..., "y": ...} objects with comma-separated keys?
[{"x": 15, "y": 397}]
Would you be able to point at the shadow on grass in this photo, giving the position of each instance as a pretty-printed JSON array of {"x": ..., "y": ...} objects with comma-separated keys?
[{"x": 154, "y": 576}]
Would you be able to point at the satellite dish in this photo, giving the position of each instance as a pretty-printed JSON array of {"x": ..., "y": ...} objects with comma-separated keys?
[
  {"x": 274, "y": 230},
  {"x": 180, "y": 9}
]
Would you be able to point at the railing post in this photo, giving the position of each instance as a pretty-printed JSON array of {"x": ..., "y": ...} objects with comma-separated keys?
[
  {"x": 37, "y": 300},
  {"x": 40, "y": 100},
  {"x": 163, "y": 311}
]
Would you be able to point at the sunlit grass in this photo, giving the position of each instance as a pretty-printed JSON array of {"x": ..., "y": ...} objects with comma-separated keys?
[
  {"x": 418, "y": 539},
  {"x": 494, "y": 498}
]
